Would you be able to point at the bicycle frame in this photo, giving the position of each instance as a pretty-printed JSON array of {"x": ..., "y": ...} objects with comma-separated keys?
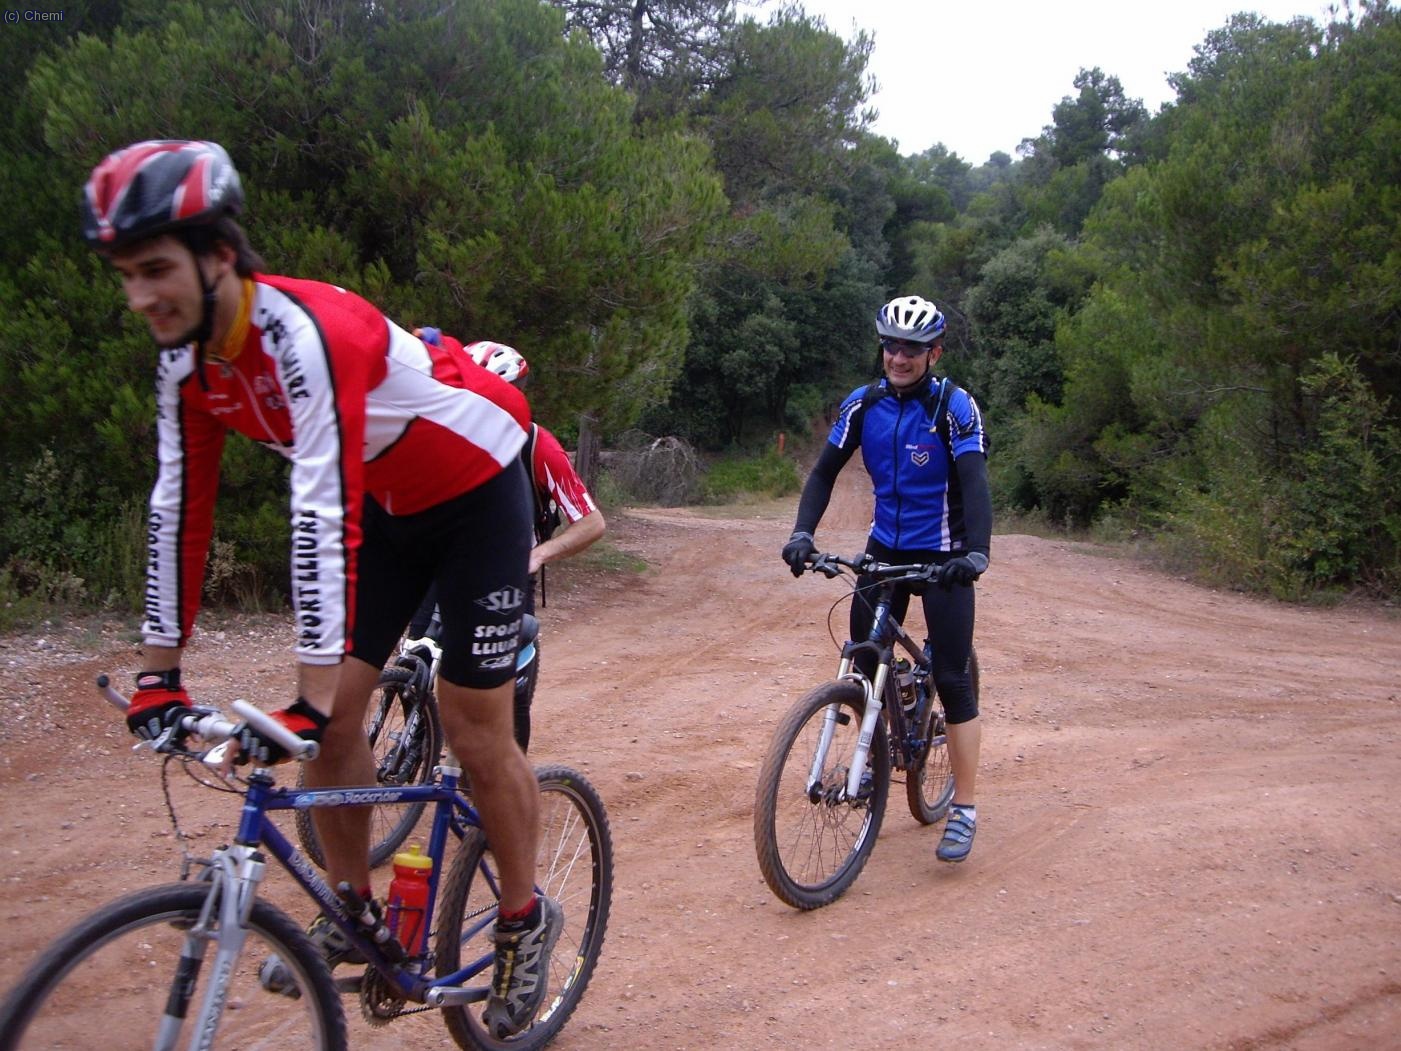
[
  {"x": 885, "y": 633},
  {"x": 452, "y": 814},
  {"x": 216, "y": 909}
]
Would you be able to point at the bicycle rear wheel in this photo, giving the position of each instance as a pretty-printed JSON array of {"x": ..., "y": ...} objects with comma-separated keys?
[
  {"x": 574, "y": 866},
  {"x": 117, "y": 974},
  {"x": 401, "y": 723},
  {"x": 929, "y": 783},
  {"x": 812, "y": 840}
]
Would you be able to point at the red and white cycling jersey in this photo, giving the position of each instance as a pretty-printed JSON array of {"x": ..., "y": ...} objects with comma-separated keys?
[
  {"x": 357, "y": 404},
  {"x": 556, "y": 478}
]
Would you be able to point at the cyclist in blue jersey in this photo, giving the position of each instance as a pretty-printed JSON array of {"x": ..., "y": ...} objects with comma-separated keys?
[{"x": 922, "y": 441}]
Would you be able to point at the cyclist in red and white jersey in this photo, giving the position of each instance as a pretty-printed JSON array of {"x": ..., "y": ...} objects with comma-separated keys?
[
  {"x": 567, "y": 520},
  {"x": 405, "y": 471}
]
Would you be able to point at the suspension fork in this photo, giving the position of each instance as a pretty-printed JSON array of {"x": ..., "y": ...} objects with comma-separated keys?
[
  {"x": 871, "y": 709},
  {"x": 235, "y": 875},
  {"x": 829, "y": 722},
  {"x": 874, "y": 692}
]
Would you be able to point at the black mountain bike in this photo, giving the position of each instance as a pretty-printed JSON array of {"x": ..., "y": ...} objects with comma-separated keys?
[{"x": 825, "y": 782}]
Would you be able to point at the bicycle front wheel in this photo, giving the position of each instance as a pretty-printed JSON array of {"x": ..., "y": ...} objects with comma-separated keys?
[
  {"x": 812, "y": 840},
  {"x": 136, "y": 972},
  {"x": 574, "y": 866},
  {"x": 406, "y": 739}
]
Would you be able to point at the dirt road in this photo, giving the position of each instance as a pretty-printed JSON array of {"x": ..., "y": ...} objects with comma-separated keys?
[{"x": 1188, "y": 830}]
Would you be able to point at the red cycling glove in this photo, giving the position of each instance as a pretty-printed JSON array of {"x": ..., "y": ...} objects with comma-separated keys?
[
  {"x": 158, "y": 699},
  {"x": 301, "y": 718}
]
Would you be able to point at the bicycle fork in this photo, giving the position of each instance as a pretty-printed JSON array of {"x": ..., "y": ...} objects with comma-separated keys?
[
  {"x": 871, "y": 709},
  {"x": 236, "y": 873}
]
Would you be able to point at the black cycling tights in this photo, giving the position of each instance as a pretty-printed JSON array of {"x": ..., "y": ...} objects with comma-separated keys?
[{"x": 948, "y": 616}]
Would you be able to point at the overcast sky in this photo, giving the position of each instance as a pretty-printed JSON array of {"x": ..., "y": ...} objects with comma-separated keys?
[{"x": 980, "y": 77}]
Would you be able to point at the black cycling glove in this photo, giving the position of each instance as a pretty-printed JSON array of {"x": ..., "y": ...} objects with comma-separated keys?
[
  {"x": 158, "y": 701},
  {"x": 962, "y": 570},
  {"x": 798, "y": 552}
]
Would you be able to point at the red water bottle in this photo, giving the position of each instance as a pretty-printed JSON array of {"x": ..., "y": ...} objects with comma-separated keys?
[{"x": 408, "y": 899}]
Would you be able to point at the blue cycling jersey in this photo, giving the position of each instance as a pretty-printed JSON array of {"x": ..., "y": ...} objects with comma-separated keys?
[{"x": 918, "y": 500}]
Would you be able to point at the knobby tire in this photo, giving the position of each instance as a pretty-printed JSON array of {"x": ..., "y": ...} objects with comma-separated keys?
[
  {"x": 812, "y": 849},
  {"x": 574, "y": 866},
  {"x": 110, "y": 976}
]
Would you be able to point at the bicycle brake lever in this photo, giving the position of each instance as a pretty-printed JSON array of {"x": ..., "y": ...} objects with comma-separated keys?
[{"x": 215, "y": 756}]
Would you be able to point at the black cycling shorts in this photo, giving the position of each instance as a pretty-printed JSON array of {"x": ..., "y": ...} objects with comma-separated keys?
[{"x": 475, "y": 549}]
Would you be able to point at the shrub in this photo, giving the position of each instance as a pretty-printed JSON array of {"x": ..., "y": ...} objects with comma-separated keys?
[
  {"x": 769, "y": 475},
  {"x": 650, "y": 470}
]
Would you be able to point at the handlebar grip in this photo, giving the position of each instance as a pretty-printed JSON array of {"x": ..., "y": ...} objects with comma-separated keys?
[
  {"x": 110, "y": 695},
  {"x": 265, "y": 724}
]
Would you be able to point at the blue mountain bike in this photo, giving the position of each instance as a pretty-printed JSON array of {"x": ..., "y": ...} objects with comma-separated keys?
[{"x": 183, "y": 965}]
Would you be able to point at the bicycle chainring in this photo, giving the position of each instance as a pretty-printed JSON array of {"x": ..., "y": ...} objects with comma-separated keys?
[{"x": 380, "y": 1002}]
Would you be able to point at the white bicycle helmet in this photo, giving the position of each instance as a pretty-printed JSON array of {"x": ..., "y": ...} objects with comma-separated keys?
[
  {"x": 505, "y": 361},
  {"x": 910, "y": 318}
]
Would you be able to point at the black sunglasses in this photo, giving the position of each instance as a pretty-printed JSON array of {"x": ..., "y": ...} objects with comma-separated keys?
[{"x": 905, "y": 347}]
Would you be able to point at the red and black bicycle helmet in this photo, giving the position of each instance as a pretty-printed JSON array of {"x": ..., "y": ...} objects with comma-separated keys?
[{"x": 153, "y": 187}]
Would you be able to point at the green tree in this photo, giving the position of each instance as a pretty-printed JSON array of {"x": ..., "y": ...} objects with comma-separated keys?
[
  {"x": 786, "y": 122},
  {"x": 665, "y": 52},
  {"x": 1022, "y": 294},
  {"x": 1244, "y": 316},
  {"x": 1094, "y": 135},
  {"x": 463, "y": 165}
]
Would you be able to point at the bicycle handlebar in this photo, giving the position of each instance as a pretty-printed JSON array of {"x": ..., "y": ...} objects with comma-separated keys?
[
  {"x": 212, "y": 725},
  {"x": 831, "y": 565}
]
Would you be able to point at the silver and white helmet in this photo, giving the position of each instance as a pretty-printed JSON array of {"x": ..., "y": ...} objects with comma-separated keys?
[
  {"x": 910, "y": 318},
  {"x": 505, "y": 361}
]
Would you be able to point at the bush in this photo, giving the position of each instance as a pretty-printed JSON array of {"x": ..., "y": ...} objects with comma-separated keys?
[
  {"x": 1326, "y": 518},
  {"x": 770, "y": 475},
  {"x": 651, "y": 470},
  {"x": 62, "y": 546},
  {"x": 1342, "y": 519}
]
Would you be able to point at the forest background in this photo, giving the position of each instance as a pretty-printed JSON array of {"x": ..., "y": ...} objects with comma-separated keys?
[{"x": 1183, "y": 327}]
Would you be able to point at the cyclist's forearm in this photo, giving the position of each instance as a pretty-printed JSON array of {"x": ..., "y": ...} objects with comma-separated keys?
[
  {"x": 570, "y": 540},
  {"x": 977, "y": 501}
]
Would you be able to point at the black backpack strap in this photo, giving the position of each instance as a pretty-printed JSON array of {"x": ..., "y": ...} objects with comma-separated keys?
[
  {"x": 940, "y": 413},
  {"x": 528, "y": 458},
  {"x": 873, "y": 393}
]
